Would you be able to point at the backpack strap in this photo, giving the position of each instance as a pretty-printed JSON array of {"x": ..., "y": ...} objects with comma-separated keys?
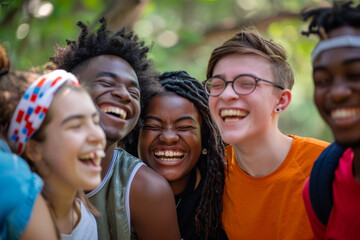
[{"x": 321, "y": 179}]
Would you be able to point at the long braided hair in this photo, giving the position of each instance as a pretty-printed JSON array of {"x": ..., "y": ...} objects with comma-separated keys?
[
  {"x": 326, "y": 19},
  {"x": 208, "y": 214}
]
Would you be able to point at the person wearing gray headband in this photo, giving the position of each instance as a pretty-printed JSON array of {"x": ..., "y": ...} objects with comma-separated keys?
[{"x": 332, "y": 194}]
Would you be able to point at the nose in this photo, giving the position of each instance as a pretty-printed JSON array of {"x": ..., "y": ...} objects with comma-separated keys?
[
  {"x": 96, "y": 134},
  {"x": 340, "y": 90},
  {"x": 229, "y": 94},
  {"x": 122, "y": 93},
  {"x": 168, "y": 137}
]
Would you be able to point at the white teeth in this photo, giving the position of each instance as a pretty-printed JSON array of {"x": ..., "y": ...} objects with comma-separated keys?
[
  {"x": 169, "y": 159},
  {"x": 345, "y": 113},
  {"x": 118, "y": 111},
  {"x": 100, "y": 153},
  {"x": 92, "y": 155},
  {"x": 86, "y": 156},
  {"x": 168, "y": 153},
  {"x": 228, "y": 120},
  {"x": 232, "y": 113}
]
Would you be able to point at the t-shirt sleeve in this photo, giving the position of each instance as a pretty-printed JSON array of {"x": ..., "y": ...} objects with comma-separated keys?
[
  {"x": 318, "y": 228},
  {"x": 20, "y": 188}
]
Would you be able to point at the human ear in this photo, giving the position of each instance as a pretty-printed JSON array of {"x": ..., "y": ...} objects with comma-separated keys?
[
  {"x": 283, "y": 101},
  {"x": 32, "y": 151}
]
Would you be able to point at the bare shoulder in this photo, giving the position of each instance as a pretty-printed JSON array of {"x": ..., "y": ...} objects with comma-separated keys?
[
  {"x": 152, "y": 206},
  {"x": 148, "y": 183}
]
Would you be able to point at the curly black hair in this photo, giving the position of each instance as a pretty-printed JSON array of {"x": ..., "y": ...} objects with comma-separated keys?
[
  {"x": 124, "y": 44},
  {"x": 326, "y": 19},
  {"x": 208, "y": 215}
]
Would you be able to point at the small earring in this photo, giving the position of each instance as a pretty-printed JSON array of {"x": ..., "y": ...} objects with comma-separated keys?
[
  {"x": 282, "y": 109},
  {"x": 278, "y": 110},
  {"x": 204, "y": 151}
]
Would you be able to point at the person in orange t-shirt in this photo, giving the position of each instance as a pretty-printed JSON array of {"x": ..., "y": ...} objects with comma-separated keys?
[{"x": 249, "y": 84}]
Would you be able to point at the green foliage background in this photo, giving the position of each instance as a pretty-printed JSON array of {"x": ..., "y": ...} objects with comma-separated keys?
[{"x": 197, "y": 26}]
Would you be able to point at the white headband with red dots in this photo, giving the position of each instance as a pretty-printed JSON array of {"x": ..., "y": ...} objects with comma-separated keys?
[{"x": 32, "y": 107}]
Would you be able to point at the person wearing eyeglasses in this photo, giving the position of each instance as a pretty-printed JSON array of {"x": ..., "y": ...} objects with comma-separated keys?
[{"x": 249, "y": 83}]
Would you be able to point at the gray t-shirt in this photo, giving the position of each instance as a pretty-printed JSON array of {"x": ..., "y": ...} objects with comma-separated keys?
[{"x": 86, "y": 229}]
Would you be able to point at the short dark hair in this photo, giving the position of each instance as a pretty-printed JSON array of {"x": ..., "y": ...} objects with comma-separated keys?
[
  {"x": 323, "y": 20},
  {"x": 124, "y": 44},
  {"x": 249, "y": 41}
]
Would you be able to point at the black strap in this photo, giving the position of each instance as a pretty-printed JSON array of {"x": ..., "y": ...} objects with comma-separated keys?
[{"x": 321, "y": 179}]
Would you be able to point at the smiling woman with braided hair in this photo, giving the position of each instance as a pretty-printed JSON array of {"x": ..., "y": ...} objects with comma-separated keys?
[{"x": 179, "y": 140}]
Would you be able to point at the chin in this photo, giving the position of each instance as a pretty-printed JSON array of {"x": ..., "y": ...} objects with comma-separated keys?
[
  {"x": 91, "y": 186},
  {"x": 230, "y": 139},
  {"x": 348, "y": 141}
]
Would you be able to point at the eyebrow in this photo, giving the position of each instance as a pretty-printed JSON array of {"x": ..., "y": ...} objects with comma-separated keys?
[
  {"x": 218, "y": 76},
  {"x": 345, "y": 62},
  {"x": 319, "y": 68},
  {"x": 185, "y": 118},
  {"x": 77, "y": 116},
  {"x": 176, "y": 121},
  {"x": 113, "y": 75},
  {"x": 153, "y": 118},
  {"x": 351, "y": 60}
]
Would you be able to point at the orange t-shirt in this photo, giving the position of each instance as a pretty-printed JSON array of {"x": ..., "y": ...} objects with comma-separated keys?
[{"x": 270, "y": 207}]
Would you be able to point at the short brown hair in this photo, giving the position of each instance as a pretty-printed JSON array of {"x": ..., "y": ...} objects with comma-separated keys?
[{"x": 249, "y": 41}]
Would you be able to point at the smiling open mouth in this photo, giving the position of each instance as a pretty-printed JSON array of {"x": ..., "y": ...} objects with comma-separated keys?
[
  {"x": 344, "y": 113},
  {"x": 92, "y": 157},
  {"x": 232, "y": 115},
  {"x": 169, "y": 155},
  {"x": 116, "y": 112}
]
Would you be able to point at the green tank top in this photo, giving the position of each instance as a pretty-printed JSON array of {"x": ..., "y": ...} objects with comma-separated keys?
[{"x": 111, "y": 197}]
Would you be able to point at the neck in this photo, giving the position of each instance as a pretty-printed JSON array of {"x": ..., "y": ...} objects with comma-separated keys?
[
  {"x": 179, "y": 185},
  {"x": 63, "y": 208},
  {"x": 260, "y": 157}
]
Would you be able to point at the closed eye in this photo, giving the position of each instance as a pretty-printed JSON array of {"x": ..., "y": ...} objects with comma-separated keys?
[
  {"x": 104, "y": 83},
  {"x": 152, "y": 127},
  {"x": 185, "y": 128},
  {"x": 135, "y": 93},
  {"x": 353, "y": 76}
]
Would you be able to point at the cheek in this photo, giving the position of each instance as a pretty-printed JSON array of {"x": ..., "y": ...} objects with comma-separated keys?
[
  {"x": 196, "y": 151},
  {"x": 136, "y": 109},
  {"x": 319, "y": 96},
  {"x": 195, "y": 143}
]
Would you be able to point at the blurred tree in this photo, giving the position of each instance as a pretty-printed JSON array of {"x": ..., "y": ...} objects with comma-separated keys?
[{"x": 183, "y": 34}]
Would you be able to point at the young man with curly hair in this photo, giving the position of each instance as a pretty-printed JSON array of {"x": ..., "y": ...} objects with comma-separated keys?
[
  {"x": 332, "y": 195},
  {"x": 134, "y": 201}
]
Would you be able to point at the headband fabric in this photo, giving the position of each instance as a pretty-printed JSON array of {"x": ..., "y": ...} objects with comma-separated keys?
[
  {"x": 338, "y": 42},
  {"x": 32, "y": 107}
]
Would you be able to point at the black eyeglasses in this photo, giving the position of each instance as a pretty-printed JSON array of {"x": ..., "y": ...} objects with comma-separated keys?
[{"x": 243, "y": 84}]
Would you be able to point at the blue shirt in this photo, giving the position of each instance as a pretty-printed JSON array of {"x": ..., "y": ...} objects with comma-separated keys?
[{"x": 20, "y": 187}]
